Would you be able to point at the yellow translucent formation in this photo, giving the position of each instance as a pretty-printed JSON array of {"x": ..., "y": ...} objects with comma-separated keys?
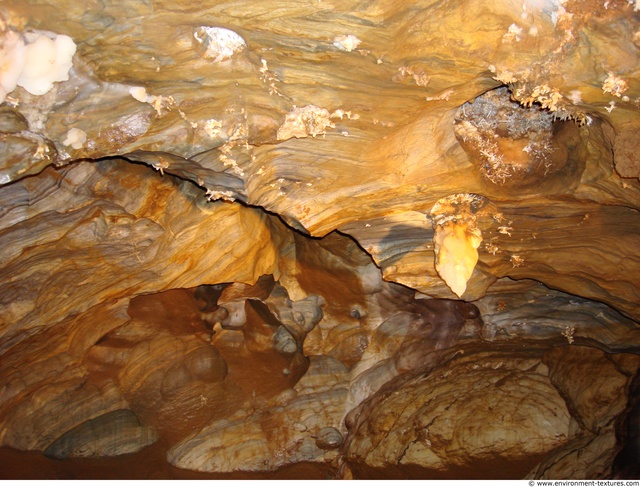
[{"x": 456, "y": 251}]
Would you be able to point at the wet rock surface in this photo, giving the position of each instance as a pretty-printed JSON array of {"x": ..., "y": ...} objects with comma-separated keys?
[{"x": 321, "y": 240}]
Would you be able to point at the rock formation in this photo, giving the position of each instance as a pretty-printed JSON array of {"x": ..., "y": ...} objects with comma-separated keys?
[{"x": 319, "y": 239}]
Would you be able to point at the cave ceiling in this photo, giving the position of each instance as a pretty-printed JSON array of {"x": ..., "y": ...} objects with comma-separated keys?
[{"x": 320, "y": 239}]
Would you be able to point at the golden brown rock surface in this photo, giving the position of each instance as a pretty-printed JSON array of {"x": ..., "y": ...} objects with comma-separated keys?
[{"x": 225, "y": 233}]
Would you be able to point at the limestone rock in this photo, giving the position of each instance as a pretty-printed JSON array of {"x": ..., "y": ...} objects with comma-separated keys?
[
  {"x": 111, "y": 434},
  {"x": 595, "y": 405},
  {"x": 346, "y": 239},
  {"x": 293, "y": 427},
  {"x": 429, "y": 423}
]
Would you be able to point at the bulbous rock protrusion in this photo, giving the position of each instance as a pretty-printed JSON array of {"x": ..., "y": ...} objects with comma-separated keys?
[
  {"x": 456, "y": 238},
  {"x": 217, "y": 43},
  {"x": 456, "y": 254},
  {"x": 284, "y": 341},
  {"x": 358, "y": 312},
  {"x": 34, "y": 61},
  {"x": 329, "y": 438},
  {"x": 511, "y": 144}
]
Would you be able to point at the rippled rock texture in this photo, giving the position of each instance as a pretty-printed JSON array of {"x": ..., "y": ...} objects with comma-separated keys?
[{"x": 320, "y": 240}]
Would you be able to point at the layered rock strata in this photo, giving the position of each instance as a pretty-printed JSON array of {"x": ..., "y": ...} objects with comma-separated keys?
[{"x": 361, "y": 241}]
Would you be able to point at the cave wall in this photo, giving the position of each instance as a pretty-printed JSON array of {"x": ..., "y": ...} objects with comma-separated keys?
[{"x": 381, "y": 240}]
